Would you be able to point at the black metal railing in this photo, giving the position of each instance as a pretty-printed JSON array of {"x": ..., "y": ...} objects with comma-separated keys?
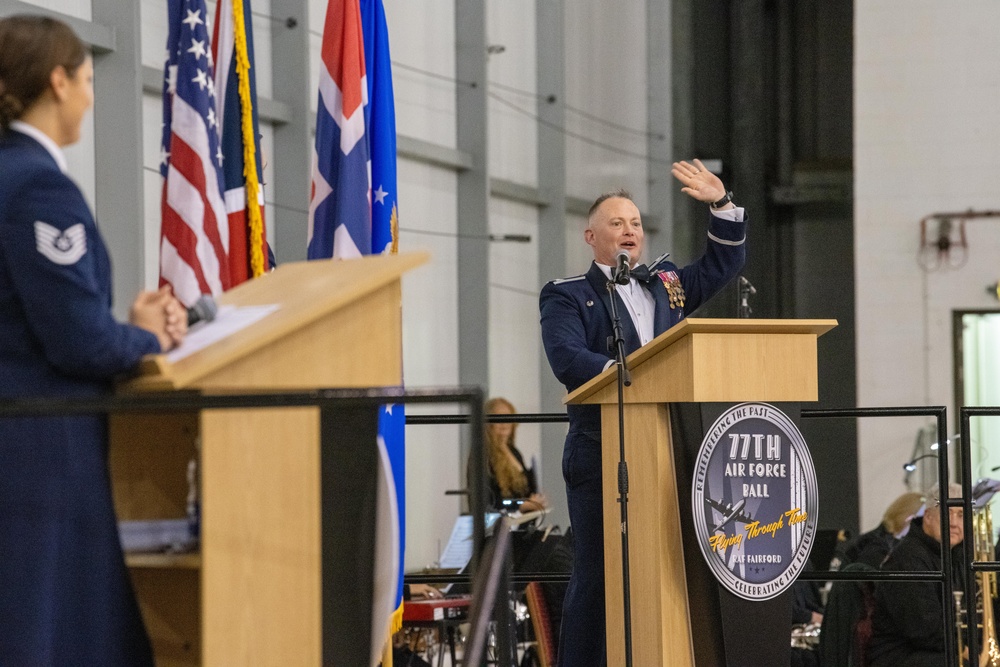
[
  {"x": 330, "y": 403},
  {"x": 944, "y": 576},
  {"x": 472, "y": 398},
  {"x": 972, "y": 566}
]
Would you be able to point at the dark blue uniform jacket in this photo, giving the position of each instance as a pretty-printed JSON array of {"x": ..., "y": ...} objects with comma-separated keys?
[
  {"x": 65, "y": 597},
  {"x": 576, "y": 313},
  {"x": 576, "y": 326}
]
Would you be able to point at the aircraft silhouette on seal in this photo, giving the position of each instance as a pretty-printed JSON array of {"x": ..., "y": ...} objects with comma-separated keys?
[{"x": 729, "y": 512}]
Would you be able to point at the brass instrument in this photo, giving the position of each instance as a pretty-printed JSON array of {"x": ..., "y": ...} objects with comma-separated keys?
[
  {"x": 982, "y": 525},
  {"x": 805, "y": 636},
  {"x": 960, "y": 623}
]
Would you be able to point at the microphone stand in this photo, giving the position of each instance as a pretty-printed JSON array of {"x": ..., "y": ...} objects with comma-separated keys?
[
  {"x": 743, "y": 306},
  {"x": 624, "y": 380}
]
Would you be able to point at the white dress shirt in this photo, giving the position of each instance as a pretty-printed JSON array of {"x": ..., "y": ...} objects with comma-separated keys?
[{"x": 639, "y": 301}]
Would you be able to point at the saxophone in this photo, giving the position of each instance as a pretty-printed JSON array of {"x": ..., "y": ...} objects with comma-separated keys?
[{"x": 982, "y": 523}]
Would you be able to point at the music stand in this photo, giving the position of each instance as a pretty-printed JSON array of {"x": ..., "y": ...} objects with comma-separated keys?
[{"x": 491, "y": 575}]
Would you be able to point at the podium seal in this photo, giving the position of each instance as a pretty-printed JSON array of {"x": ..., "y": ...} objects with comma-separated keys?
[{"x": 754, "y": 500}]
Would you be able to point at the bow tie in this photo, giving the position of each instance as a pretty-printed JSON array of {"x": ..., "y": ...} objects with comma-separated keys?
[{"x": 641, "y": 273}]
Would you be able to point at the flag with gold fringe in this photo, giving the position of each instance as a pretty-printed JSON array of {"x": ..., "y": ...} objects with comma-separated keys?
[
  {"x": 236, "y": 116},
  {"x": 353, "y": 212}
]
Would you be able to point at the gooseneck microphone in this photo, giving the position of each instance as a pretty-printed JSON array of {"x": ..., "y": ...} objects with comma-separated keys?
[
  {"x": 623, "y": 272},
  {"x": 202, "y": 310}
]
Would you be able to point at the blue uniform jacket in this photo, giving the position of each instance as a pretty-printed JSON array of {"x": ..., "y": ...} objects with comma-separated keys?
[
  {"x": 576, "y": 313},
  {"x": 576, "y": 326},
  {"x": 66, "y": 595}
]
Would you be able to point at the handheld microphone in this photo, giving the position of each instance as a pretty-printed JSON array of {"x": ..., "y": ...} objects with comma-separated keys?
[
  {"x": 202, "y": 310},
  {"x": 623, "y": 272}
]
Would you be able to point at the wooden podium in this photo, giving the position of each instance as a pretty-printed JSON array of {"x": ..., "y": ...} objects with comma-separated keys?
[
  {"x": 698, "y": 360},
  {"x": 253, "y": 594}
]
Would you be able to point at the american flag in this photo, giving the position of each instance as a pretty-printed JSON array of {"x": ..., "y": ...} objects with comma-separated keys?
[
  {"x": 232, "y": 40},
  {"x": 348, "y": 217},
  {"x": 194, "y": 235}
]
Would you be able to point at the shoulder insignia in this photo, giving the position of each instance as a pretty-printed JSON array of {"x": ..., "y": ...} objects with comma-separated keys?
[
  {"x": 655, "y": 262},
  {"x": 568, "y": 280},
  {"x": 61, "y": 247}
]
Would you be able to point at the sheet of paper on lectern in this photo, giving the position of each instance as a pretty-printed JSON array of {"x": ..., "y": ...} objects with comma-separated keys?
[{"x": 228, "y": 321}]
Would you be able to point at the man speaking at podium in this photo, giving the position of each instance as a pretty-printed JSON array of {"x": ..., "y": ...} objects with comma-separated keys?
[{"x": 576, "y": 329}]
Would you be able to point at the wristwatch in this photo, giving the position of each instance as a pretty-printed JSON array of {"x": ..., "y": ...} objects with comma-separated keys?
[{"x": 725, "y": 200}]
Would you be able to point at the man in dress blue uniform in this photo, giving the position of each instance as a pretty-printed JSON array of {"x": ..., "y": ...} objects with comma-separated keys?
[{"x": 576, "y": 326}]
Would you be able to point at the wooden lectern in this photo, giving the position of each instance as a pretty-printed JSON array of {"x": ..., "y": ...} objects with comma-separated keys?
[
  {"x": 253, "y": 594},
  {"x": 698, "y": 360}
]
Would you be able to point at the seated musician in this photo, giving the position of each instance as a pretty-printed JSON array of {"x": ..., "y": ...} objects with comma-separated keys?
[
  {"x": 872, "y": 547},
  {"x": 421, "y": 592},
  {"x": 848, "y": 601},
  {"x": 507, "y": 477},
  {"x": 907, "y": 624}
]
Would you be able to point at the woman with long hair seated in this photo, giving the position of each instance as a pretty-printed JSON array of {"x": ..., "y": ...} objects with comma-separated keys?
[{"x": 507, "y": 477}]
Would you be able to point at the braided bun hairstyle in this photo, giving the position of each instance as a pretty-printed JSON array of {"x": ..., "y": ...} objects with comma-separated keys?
[
  {"x": 10, "y": 107},
  {"x": 30, "y": 48}
]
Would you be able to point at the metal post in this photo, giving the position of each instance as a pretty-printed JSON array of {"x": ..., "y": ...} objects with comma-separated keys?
[
  {"x": 749, "y": 107},
  {"x": 472, "y": 132},
  {"x": 293, "y": 141},
  {"x": 687, "y": 229},
  {"x": 118, "y": 174},
  {"x": 970, "y": 553},
  {"x": 550, "y": 53},
  {"x": 349, "y": 462},
  {"x": 659, "y": 120}
]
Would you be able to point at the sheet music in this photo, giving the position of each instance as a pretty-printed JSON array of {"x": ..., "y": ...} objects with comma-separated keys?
[
  {"x": 458, "y": 551},
  {"x": 228, "y": 321}
]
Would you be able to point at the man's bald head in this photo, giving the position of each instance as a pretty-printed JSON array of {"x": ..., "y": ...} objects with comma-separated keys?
[{"x": 614, "y": 224}]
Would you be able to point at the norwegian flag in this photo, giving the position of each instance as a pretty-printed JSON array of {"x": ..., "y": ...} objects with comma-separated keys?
[
  {"x": 230, "y": 109},
  {"x": 356, "y": 147},
  {"x": 340, "y": 203},
  {"x": 194, "y": 234}
]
